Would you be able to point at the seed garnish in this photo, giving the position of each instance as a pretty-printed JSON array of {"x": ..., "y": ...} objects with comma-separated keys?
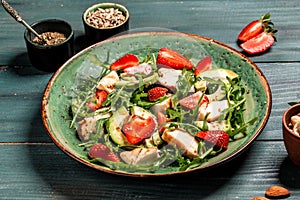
[{"x": 105, "y": 18}]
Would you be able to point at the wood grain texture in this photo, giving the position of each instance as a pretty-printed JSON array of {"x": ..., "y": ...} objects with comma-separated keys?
[
  {"x": 45, "y": 172},
  {"x": 32, "y": 167},
  {"x": 220, "y": 20}
]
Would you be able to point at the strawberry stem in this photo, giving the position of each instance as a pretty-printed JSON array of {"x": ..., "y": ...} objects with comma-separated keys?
[{"x": 268, "y": 25}]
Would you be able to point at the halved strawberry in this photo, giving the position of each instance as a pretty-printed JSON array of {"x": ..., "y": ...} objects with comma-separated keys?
[
  {"x": 216, "y": 137},
  {"x": 258, "y": 44},
  {"x": 258, "y": 36},
  {"x": 255, "y": 27},
  {"x": 128, "y": 60},
  {"x": 203, "y": 65},
  {"x": 173, "y": 59},
  {"x": 96, "y": 103},
  {"x": 156, "y": 92},
  {"x": 137, "y": 129},
  {"x": 191, "y": 101},
  {"x": 102, "y": 151}
]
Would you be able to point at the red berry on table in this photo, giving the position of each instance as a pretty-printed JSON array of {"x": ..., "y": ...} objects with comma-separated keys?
[{"x": 258, "y": 36}]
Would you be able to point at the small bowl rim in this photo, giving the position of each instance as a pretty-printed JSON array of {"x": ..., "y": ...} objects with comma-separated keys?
[
  {"x": 99, "y": 5},
  {"x": 285, "y": 121},
  {"x": 52, "y": 45}
]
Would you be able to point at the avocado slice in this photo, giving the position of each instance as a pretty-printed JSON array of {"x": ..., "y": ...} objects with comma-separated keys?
[
  {"x": 215, "y": 74},
  {"x": 115, "y": 124},
  {"x": 139, "y": 111}
]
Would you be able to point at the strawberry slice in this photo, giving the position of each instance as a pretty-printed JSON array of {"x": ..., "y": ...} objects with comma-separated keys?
[
  {"x": 173, "y": 59},
  {"x": 255, "y": 27},
  {"x": 216, "y": 137},
  {"x": 102, "y": 151},
  {"x": 258, "y": 44},
  {"x": 128, "y": 60},
  {"x": 191, "y": 101},
  {"x": 101, "y": 96},
  {"x": 156, "y": 92},
  {"x": 97, "y": 102},
  {"x": 161, "y": 118},
  {"x": 137, "y": 129},
  {"x": 203, "y": 65}
]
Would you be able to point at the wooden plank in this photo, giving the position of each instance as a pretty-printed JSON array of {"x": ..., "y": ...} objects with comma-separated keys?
[
  {"x": 21, "y": 122},
  {"x": 283, "y": 81},
  {"x": 21, "y": 93},
  {"x": 44, "y": 172},
  {"x": 32, "y": 167},
  {"x": 213, "y": 19}
]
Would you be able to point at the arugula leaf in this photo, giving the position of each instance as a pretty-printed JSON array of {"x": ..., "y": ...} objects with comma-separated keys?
[
  {"x": 184, "y": 84},
  {"x": 234, "y": 115},
  {"x": 186, "y": 163},
  {"x": 140, "y": 98},
  {"x": 85, "y": 91},
  {"x": 95, "y": 60}
]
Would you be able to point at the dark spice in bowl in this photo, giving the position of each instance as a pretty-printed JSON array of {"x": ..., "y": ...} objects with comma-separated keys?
[
  {"x": 51, "y": 56},
  {"x": 51, "y": 38}
]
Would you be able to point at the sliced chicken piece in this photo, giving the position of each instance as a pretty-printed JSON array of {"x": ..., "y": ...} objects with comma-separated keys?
[
  {"x": 183, "y": 140},
  {"x": 168, "y": 77},
  {"x": 161, "y": 107},
  {"x": 192, "y": 100},
  {"x": 87, "y": 126},
  {"x": 216, "y": 125},
  {"x": 214, "y": 108},
  {"x": 108, "y": 82},
  {"x": 140, "y": 156},
  {"x": 143, "y": 68}
]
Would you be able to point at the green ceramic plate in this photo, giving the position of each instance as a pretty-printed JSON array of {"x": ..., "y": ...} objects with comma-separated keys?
[{"x": 56, "y": 100}]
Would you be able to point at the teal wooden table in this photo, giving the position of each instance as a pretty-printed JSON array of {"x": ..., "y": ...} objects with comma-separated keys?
[{"x": 32, "y": 167}]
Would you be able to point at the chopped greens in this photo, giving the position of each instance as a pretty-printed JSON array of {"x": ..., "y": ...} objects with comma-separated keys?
[{"x": 149, "y": 136}]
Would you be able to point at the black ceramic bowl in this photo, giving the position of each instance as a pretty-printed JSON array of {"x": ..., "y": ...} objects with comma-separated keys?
[
  {"x": 96, "y": 34},
  {"x": 50, "y": 57}
]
